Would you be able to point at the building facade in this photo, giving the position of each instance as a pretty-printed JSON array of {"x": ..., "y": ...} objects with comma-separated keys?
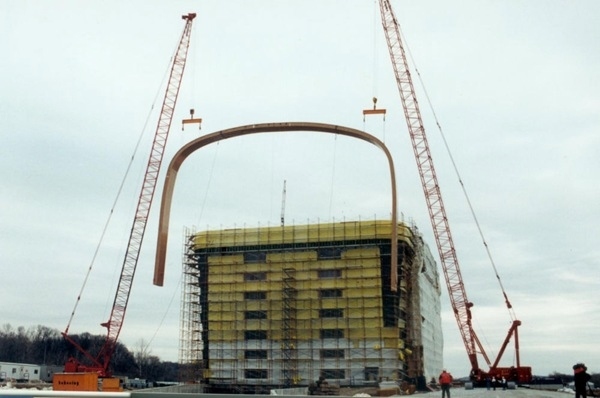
[{"x": 285, "y": 306}]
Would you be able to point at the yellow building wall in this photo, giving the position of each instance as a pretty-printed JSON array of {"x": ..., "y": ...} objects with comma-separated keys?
[{"x": 360, "y": 284}]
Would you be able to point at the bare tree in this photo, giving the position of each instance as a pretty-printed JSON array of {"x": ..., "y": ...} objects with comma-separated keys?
[{"x": 142, "y": 356}]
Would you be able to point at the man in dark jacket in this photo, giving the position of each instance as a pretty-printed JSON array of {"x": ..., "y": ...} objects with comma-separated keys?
[{"x": 581, "y": 379}]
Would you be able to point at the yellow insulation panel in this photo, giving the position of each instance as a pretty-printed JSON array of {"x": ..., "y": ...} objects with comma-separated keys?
[
  {"x": 362, "y": 253},
  {"x": 215, "y": 335},
  {"x": 381, "y": 229},
  {"x": 226, "y": 260},
  {"x": 291, "y": 257},
  {"x": 359, "y": 282}
]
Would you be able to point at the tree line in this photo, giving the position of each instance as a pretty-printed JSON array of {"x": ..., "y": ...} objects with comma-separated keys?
[{"x": 41, "y": 345}]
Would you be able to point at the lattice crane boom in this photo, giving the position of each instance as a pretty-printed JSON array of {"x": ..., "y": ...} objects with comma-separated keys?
[
  {"x": 435, "y": 205},
  {"x": 461, "y": 306},
  {"x": 114, "y": 324}
]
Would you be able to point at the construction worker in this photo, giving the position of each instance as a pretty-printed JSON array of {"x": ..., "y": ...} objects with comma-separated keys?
[
  {"x": 581, "y": 378},
  {"x": 445, "y": 380}
]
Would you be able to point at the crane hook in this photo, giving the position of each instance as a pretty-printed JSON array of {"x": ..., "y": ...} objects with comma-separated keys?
[
  {"x": 191, "y": 120},
  {"x": 374, "y": 111}
]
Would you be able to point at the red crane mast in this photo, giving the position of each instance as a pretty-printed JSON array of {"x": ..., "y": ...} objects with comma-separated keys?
[
  {"x": 100, "y": 363},
  {"x": 461, "y": 306}
]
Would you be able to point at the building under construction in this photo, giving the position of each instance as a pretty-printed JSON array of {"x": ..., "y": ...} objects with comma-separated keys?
[{"x": 284, "y": 306}]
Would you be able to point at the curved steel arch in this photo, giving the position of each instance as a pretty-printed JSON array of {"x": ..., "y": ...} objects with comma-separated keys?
[{"x": 191, "y": 147}]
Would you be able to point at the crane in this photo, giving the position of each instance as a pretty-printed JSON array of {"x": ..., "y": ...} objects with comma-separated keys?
[
  {"x": 100, "y": 363},
  {"x": 461, "y": 306}
]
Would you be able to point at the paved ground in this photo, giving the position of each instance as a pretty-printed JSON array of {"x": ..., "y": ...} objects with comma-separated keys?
[{"x": 499, "y": 393}]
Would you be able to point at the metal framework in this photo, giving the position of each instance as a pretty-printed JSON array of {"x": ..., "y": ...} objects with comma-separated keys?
[
  {"x": 461, "y": 306},
  {"x": 190, "y": 328},
  {"x": 437, "y": 213},
  {"x": 283, "y": 306},
  {"x": 115, "y": 322}
]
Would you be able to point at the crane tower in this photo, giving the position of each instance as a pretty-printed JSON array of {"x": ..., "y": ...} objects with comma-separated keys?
[
  {"x": 461, "y": 306},
  {"x": 100, "y": 364}
]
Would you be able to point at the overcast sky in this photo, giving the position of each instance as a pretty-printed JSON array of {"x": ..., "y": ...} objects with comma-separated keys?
[{"x": 514, "y": 85}]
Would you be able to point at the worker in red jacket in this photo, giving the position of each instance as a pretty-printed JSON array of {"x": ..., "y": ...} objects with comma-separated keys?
[{"x": 445, "y": 380}]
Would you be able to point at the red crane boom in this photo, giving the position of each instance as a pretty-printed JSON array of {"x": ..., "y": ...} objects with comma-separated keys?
[
  {"x": 100, "y": 363},
  {"x": 461, "y": 306}
]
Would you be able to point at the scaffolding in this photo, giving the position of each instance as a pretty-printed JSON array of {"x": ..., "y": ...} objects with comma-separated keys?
[
  {"x": 410, "y": 284},
  {"x": 288, "y": 341},
  {"x": 190, "y": 328},
  {"x": 287, "y": 305}
]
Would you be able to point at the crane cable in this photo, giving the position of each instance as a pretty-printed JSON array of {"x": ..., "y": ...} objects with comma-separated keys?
[
  {"x": 332, "y": 183},
  {"x": 118, "y": 195},
  {"x": 179, "y": 284},
  {"x": 167, "y": 310},
  {"x": 462, "y": 185},
  {"x": 375, "y": 30},
  {"x": 208, "y": 183},
  {"x": 375, "y": 68}
]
